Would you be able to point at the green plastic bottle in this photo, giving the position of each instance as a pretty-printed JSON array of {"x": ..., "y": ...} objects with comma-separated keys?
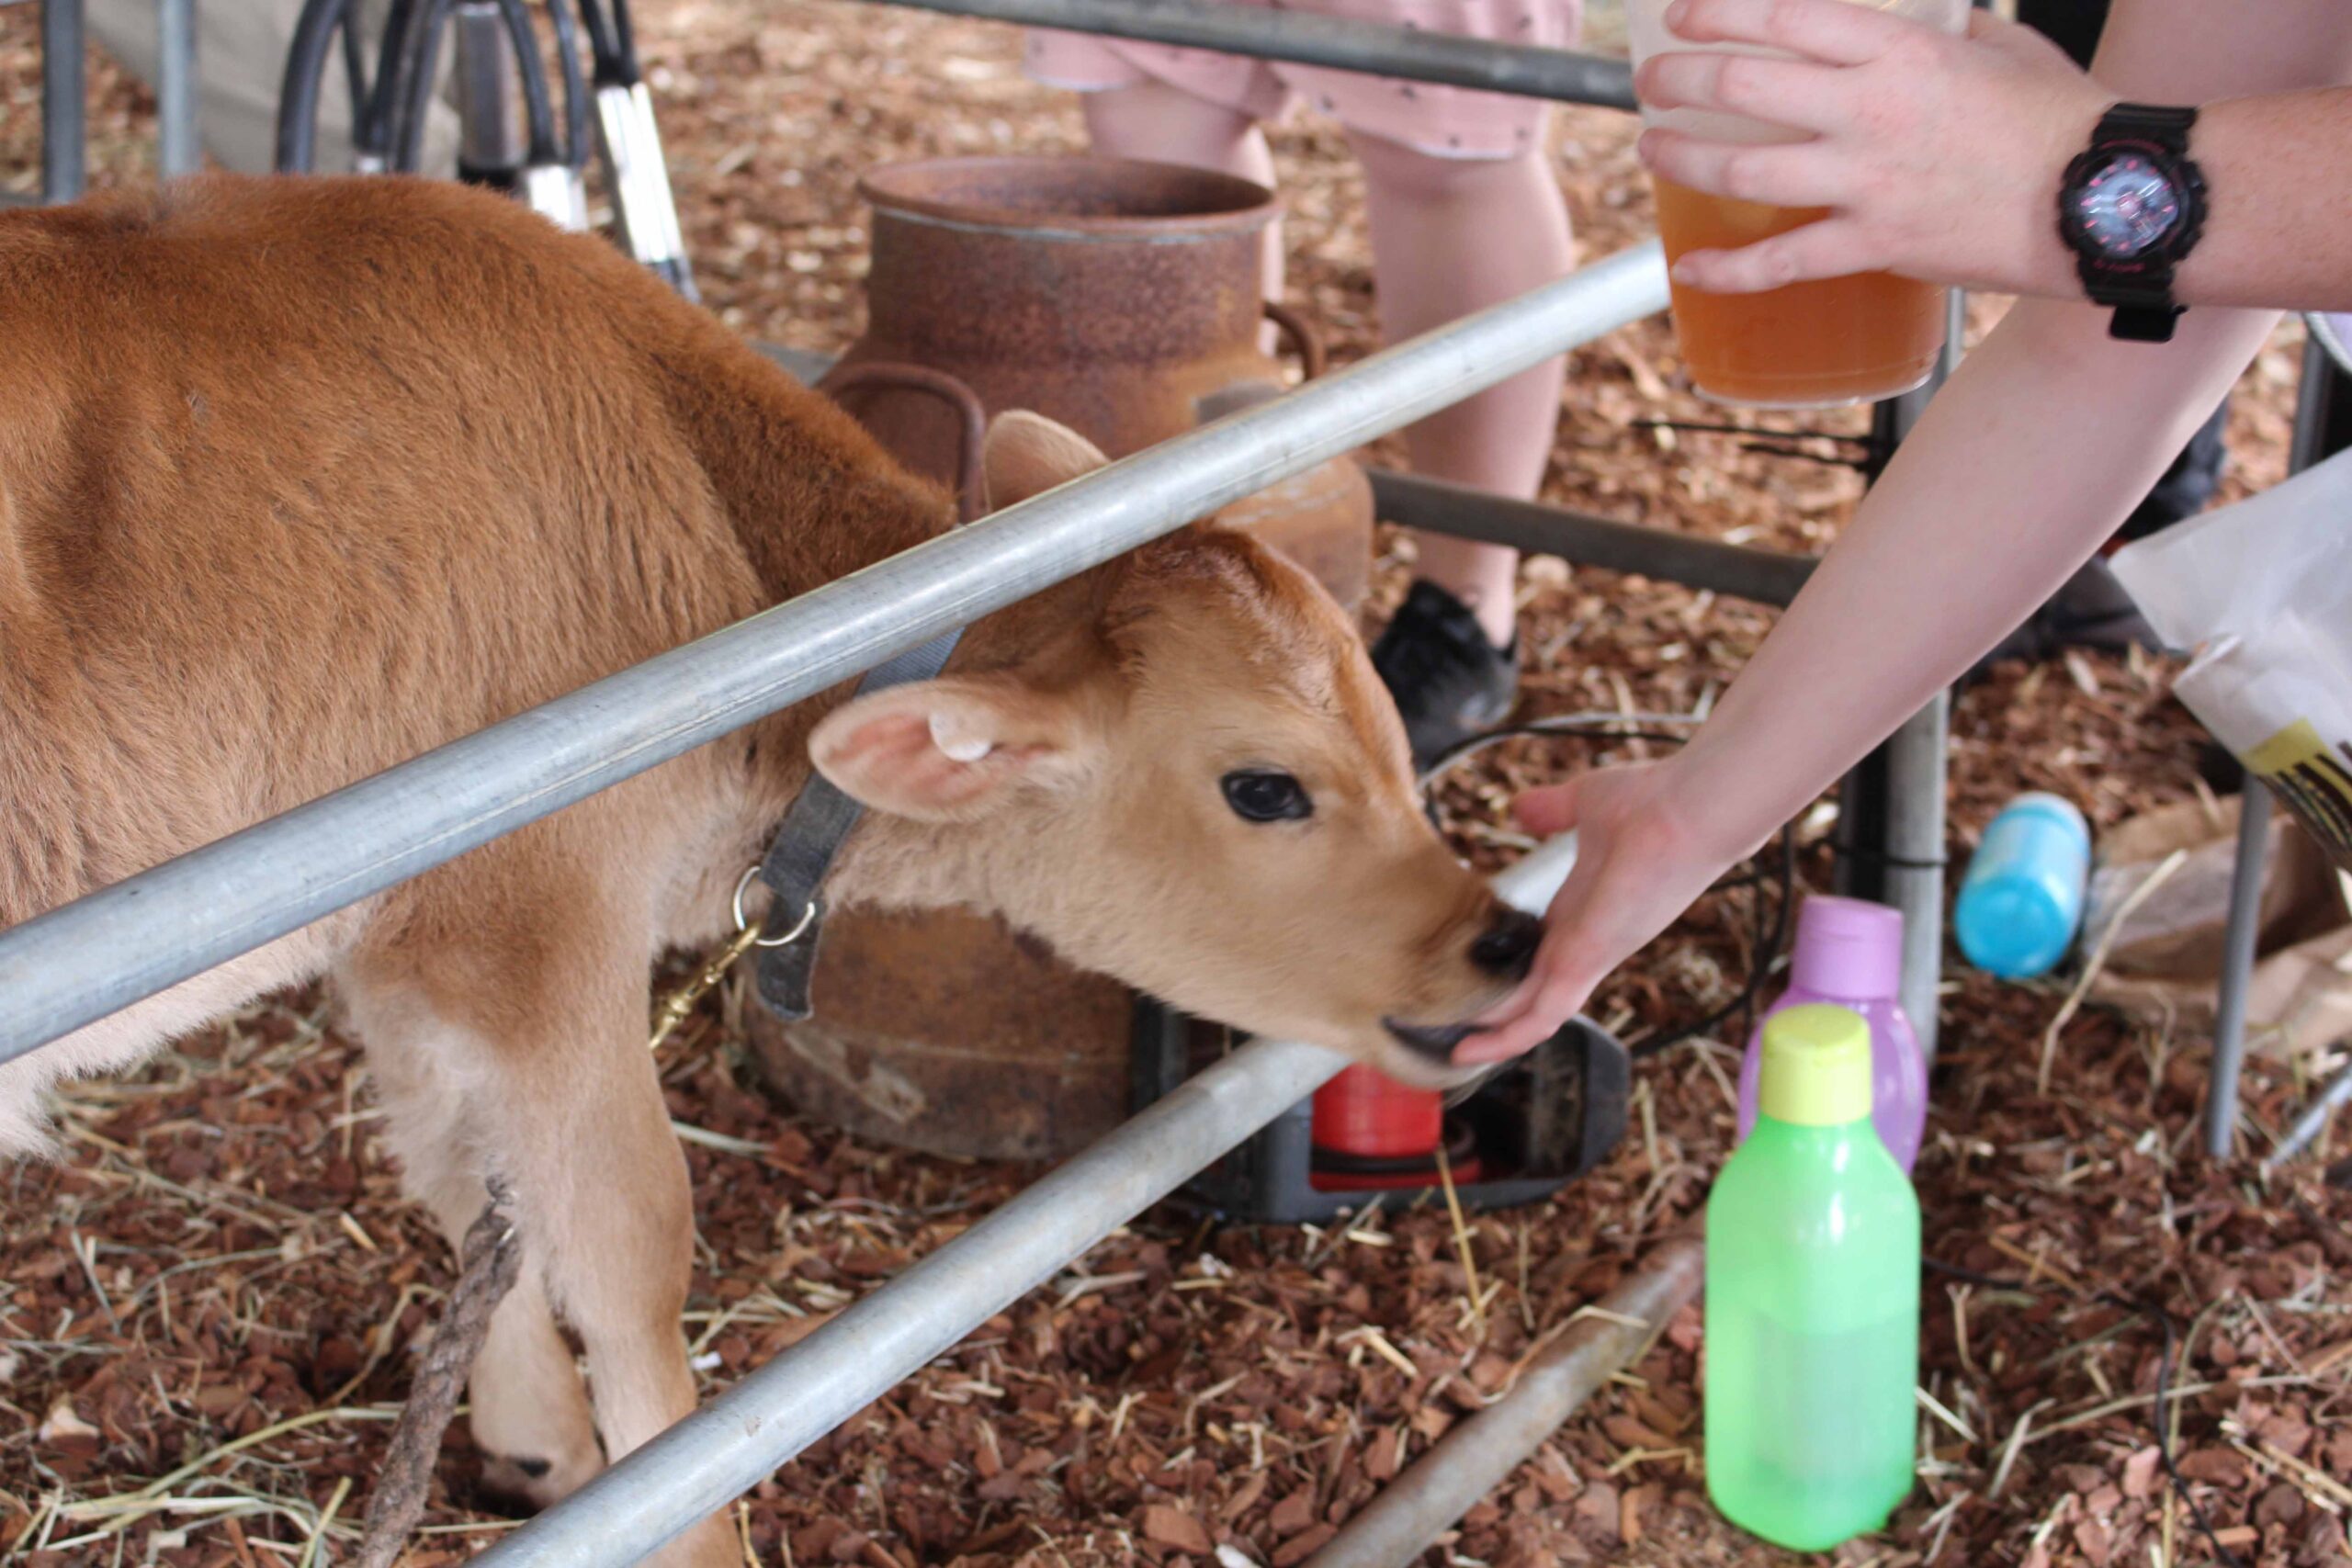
[{"x": 1813, "y": 1300}]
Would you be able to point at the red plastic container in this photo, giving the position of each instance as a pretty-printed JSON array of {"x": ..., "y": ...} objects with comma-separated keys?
[{"x": 1382, "y": 1133}]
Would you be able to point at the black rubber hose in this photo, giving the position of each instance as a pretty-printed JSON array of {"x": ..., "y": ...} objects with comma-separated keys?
[
  {"x": 355, "y": 67},
  {"x": 576, "y": 105},
  {"x": 371, "y": 129},
  {"x": 611, "y": 70},
  {"x": 416, "y": 102},
  {"x": 624, "y": 44},
  {"x": 538, "y": 109},
  {"x": 298, "y": 97}
]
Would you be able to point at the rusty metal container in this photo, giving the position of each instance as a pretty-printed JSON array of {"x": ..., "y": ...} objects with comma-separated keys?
[
  {"x": 1118, "y": 297},
  {"x": 1122, "y": 299}
]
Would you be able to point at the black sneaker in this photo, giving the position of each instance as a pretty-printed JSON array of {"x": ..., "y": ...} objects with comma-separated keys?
[{"x": 1450, "y": 682}]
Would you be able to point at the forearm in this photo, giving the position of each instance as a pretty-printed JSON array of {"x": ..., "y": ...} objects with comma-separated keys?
[
  {"x": 2278, "y": 225},
  {"x": 1987, "y": 508},
  {"x": 2275, "y": 121},
  {"x": 2279, "y": 231}
]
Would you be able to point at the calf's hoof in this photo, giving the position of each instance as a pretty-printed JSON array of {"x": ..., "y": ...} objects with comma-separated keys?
[{"x": 535, "y": 1483}]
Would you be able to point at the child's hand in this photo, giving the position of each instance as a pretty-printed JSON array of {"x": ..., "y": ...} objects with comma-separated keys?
[
  {"x": 1939, "y": 155},
  {"x": 1639, "y": 864}
]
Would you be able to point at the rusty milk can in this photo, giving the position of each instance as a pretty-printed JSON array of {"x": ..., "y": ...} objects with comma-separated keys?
[{"x": 1122, "y": 299}]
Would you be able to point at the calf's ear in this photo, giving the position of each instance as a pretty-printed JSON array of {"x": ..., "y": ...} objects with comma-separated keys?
[
  {"x": 952, "y": 750},
  {"x": 1028, "y": 455}
]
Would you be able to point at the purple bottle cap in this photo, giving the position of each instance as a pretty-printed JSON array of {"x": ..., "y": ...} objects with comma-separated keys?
[{"x": 1848, "y": 947}]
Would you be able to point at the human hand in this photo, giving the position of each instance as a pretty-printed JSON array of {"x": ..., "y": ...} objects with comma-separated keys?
[
  {"x": 1939, "y": 156},
  {"x": 1639, "y": 866}
]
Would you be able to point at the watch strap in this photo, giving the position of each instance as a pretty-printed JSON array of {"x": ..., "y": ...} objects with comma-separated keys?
[{"x": 2167, "y": 125}]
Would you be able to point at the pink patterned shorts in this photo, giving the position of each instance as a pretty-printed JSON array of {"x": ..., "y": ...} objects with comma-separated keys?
[{"x": 1443, "y": 122}]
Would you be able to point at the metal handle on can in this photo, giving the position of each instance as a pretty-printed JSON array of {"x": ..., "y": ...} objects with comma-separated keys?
[
  {"x": 971, "y": 485},
  {"x": 1312, "y": 359}
]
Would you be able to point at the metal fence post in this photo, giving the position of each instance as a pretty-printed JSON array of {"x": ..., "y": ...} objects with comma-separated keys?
[
  {"x": 1894, "y": 803},
  {"x": 178, "y": 149},
  {"x": 64, "y": 103}
]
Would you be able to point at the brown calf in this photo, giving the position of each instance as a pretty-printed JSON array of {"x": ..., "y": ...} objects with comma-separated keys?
[{"x": 298, "y": 479}]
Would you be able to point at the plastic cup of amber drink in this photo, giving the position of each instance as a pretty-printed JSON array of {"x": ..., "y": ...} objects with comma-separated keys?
[{"x": 1822, "y": 344}]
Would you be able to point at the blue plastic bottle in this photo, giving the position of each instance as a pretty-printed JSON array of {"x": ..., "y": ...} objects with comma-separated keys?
[{"x": 2022, "y": 899}]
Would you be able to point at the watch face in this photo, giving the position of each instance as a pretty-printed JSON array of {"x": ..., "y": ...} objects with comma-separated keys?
[{"x": 2127, "y": 206}]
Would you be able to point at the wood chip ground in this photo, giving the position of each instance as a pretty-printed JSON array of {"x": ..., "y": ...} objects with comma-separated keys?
[{"x": 210, "y": 1305}]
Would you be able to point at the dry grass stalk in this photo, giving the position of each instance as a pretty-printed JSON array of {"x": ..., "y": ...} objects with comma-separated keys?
[{"x": 2097, "y": 962}]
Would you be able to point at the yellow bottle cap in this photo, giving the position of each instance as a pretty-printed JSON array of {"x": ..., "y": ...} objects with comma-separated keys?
[{"x": 1816, "y": 1066}]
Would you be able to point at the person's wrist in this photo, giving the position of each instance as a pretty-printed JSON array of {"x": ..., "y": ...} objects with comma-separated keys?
[
  {"x": 2051, "y": 267},
  {"x": 1690, "y": 817}
]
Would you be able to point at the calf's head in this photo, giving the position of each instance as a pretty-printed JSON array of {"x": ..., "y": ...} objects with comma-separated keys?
[{"x": 1181, "y": 770}]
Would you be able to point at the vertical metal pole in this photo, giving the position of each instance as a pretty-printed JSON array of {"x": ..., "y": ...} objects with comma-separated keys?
[
  {"x": 1894, "y": 802},
  {"x": 63, "y": 107},
  {"x": 178, "y": 150},
  {"x": 2237, "y": 968},
  {"x": 1916, "y": 765}
]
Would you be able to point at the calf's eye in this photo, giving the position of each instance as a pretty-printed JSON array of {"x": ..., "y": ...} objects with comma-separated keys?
[{"x": 1264, "y": 795}]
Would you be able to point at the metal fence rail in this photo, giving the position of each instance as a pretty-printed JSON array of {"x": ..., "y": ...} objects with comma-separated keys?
[
  {"x": 1308, "y": 38},
  {"x": 738, "y": 1438},
  {"x": 1478, "y": 1456},
  {"x": 79, "y": 962},
  {"x": 1743, "y": 571}
]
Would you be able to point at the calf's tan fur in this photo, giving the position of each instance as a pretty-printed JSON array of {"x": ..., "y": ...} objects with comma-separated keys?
[{"x": 298, "y": 479}]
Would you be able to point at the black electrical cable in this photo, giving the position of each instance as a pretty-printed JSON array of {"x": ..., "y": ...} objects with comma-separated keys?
[
  {"x": 2159, "y": 1411},
  {"x": 306, "y": 64},
  {"x": 1845, "y": 850}
]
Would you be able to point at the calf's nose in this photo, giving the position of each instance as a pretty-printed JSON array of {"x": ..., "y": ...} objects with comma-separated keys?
[{"x": 1507, "y": 949}]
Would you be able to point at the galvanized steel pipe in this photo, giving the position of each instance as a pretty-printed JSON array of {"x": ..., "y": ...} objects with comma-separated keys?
[
  {"x": 1743, "y": 571},
  {"x": 1310, "y": 39},
  {"x": 2241, "y": 935},
  {"x": 178, "y": 150},
  {"x": 64, "y": 102},
  {"x": 1479, "y": 1454},
  {"x": 738, "y": 1438},
  {"x": 84, "y": 960}
]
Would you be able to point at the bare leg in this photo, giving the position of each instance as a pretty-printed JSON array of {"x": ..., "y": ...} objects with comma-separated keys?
[
  {"x": 1451, "y": 236},
  {"x": 1155, "y": 121}
]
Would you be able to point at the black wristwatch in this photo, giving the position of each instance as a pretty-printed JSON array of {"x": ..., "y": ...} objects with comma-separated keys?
[{"x": 2131, "y": 207}]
